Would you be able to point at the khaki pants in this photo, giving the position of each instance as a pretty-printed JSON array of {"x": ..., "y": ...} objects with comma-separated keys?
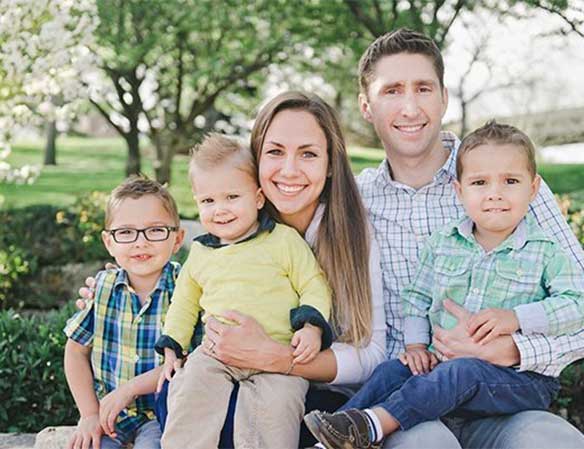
[{"x": 269, "y": 408}]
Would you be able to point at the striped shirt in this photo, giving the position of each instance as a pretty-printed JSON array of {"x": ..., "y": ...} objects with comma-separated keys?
[
  {"x": 528, "y": 272},
  {"x": 404, "y": 218},
  {"x": 122, "y": 332}
]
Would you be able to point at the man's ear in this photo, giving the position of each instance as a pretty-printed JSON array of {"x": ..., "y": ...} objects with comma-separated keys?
[
  {"x": 364, "y": 107},
  {"x": 445, "y": 102}
]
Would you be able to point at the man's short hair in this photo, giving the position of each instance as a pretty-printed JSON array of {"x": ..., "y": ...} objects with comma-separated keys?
[
  {"x": 136, "y": 187},
  {"x": 218, "y": 149},
  {"x": 493, "y": 133},
  {"x": 402, "y": 40}
]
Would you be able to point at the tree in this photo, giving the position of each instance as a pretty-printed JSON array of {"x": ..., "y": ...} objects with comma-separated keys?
[
  {"x": 171, "y": 62},
  {"x": 43, "y": 51}
]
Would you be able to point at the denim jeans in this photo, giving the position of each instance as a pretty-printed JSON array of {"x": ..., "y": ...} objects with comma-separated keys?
[
  {"x": 466, "y": 388},
  {"x": 146, "y": 436}
]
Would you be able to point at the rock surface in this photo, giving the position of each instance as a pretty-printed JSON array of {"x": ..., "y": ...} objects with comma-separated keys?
[
  {"x": 17, "y": 440},
  {"x": 53, "y": 437}
]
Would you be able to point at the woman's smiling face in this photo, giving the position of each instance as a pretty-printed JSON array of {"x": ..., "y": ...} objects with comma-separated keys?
[{"x": 293, "y": 166}]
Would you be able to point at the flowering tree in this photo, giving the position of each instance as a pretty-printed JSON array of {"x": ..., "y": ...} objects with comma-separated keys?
[{"x": 44, "y": 57}]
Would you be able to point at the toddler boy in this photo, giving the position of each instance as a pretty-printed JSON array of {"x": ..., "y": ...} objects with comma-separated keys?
[
  {"x": 498, "y": 264},
  {"x": 247, "y": 263}
]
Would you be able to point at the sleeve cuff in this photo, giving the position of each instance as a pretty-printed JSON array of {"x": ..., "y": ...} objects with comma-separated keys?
[
  {"x": 168, "y": 342},
  {"x": 308, "y": 314},
  {"x": 535, "y": 352},
  {"x": 532, "y": 318},
  {"x": 416, "y": 330}
]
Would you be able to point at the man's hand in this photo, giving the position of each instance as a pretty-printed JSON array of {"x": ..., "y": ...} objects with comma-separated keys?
[
  {"x": 418, "y": 359},
  {"x": 306, "y": 343},
  {"x": 488, "y": 324},
  {"x": 171, "y": 364},
  {"x": 87, "y": 435},
  {"x": 110, "y": 407}
]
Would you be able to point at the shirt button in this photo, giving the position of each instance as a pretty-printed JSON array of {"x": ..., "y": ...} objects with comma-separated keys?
[
  {"x": 519, "y": 272},
  {"x": 475, "y": 291},
  {"x": 136, "y": 358}
]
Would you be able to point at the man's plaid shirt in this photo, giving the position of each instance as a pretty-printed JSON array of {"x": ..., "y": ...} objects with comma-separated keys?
[
  {"x": 404, "y": 218},
  {"x": 122, "y": 333},
  {"x": 528, "y": 272}
]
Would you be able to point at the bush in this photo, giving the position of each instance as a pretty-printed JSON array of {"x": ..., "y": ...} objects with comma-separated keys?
[
  {"x": 42, "y": 235},
  {"x": 33, "y": 389}
]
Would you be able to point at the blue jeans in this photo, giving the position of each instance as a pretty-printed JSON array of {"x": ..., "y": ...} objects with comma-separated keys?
[
  {"x": 466, "y": 388},
  {"x": 147, "y": 436}
]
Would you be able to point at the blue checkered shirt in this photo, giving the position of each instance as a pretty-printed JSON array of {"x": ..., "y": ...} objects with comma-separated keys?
[
  {"x": 122, "y": 332},
  {"x": 404, "y": 218}
]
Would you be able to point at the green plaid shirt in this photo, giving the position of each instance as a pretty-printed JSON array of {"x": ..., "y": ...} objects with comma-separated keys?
[
  {"x": 528, "y": 272},
  {"x": 122, "y": 333}
]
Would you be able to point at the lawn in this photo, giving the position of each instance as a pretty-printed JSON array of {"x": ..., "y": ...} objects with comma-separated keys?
[{"x": 85, "y": 165}]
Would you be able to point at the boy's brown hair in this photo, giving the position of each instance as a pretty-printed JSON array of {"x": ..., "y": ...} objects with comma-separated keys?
[
  {"x": 494, "y": 133},
  {"x": 218, "y": 149},
  {"x": 402, "y": 40},
  {"x": 136, "y": 187}
]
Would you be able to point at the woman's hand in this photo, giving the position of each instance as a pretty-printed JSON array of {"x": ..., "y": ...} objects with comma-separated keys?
[
  {"x": 86, "y": 293},
  {"x": 244, "y": 344},
  {"x": 456, "y": 342}
]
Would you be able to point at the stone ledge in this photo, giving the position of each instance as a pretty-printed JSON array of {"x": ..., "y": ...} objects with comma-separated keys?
[{"x": 17, "y": 440}]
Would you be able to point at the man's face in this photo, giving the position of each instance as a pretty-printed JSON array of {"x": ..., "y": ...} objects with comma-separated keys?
[{"x": 405, "y": 104}]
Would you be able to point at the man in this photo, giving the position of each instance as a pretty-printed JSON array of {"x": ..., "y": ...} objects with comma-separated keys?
[{"x": 409, "y": 196}]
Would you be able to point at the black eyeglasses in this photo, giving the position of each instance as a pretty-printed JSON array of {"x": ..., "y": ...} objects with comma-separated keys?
[{"x": 151, "y": 233}]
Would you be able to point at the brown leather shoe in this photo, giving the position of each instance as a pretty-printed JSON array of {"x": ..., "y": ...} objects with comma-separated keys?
[{"x": 341, "y": 430}]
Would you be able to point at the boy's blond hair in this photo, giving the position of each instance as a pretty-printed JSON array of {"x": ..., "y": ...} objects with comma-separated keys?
[
  {"x": 494, "y": 133},
  {"x": 136, "y": 187},
  {"x": 218, "y": 149}
]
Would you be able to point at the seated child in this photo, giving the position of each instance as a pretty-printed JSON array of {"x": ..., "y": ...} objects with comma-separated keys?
[
  {"x": 498, "y": 264},
  {"x": 111, "y": 341},
  {"x": 250, "y": 264}
]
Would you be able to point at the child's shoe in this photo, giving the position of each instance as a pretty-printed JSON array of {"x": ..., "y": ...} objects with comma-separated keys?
[{"x": 341, "y": 430}]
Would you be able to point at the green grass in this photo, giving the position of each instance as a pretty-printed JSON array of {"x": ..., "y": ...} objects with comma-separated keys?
[{"x": 85, "y": 165}]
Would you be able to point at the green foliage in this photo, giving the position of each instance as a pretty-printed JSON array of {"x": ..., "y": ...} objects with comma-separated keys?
[
  {"x": 574, "y": 213},
  {"x": 33, "y": 390},
  {"x": 39, "y": 236},
  {"x": 13, "y": 267}
]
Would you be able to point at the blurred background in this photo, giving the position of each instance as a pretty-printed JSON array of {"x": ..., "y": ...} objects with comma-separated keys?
[{"x": 94, "y": 90}]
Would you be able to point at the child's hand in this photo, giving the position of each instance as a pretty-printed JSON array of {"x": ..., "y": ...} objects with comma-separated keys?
[
  {"x": 488, "y": 324},
  {"x": 87, "y": 435},
  {"x": 307, "y": 342},
  {"x": 110, "y": 407},
  {"x": 171, "y": 364},
  {"x": 418, "y": 359}
]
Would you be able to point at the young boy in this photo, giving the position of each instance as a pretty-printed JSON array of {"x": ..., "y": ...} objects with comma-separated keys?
[
  {"x": 111, "y": 341},
  {"x": 248, "y": 263},
  {"x": 498, "y": 264}
]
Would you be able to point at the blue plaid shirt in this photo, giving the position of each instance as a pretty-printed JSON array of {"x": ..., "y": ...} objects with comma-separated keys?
[{"x": 122, "y": 333}]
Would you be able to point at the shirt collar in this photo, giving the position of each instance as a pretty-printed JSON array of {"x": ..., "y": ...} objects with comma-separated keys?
[
  {"x": 165, "y": 281},
  {"x": 445, "y": 174},
  {"x": 266, "y": 223},
  {"x": 526, "y": 231}
]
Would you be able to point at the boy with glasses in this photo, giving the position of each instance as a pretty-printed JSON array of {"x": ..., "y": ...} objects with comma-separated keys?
[{"x": 110, "y": 359}]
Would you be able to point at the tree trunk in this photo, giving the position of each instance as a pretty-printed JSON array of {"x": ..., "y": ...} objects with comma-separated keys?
[
  {"x": 51, "y": 144},
  {"x": 133, "y": 165},
  {"x": 463, "y": 119}
]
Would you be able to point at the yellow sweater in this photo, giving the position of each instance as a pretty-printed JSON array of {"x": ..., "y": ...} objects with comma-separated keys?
[{"x": 264, "y": 277}]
